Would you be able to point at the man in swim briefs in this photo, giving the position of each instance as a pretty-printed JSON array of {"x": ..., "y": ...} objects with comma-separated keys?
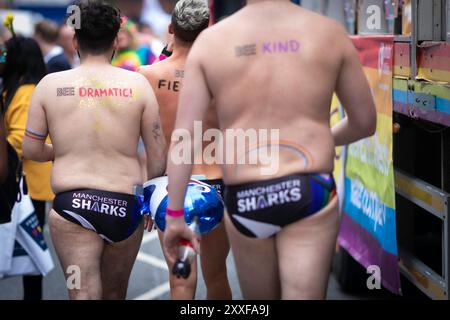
[
  {"x": 267, "y": 70},
  {"x": 189, "y": 19},
  {"x": 95, "y": 115}
]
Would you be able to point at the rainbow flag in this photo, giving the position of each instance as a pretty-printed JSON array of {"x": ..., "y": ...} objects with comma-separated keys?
[
  {"x": 368, "y": 229},
  {"x": 128, "y": 60},
  {"x": 434, "y": 62}
]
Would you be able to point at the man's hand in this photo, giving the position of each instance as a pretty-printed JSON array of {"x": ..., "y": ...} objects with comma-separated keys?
[{"x": 176, "y": 230}]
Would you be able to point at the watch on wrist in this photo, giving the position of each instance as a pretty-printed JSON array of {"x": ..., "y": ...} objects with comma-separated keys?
[{"x": 166, "y": 52}]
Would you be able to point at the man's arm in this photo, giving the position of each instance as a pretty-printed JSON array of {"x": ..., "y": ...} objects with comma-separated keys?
[
  {"x": 195, "y": 98},
  {"x": 354, "y": 93},
  {"x": 3, "y": 153},
  {"x": 34, "y": 146},
  {"x": 152, "y": 135}
]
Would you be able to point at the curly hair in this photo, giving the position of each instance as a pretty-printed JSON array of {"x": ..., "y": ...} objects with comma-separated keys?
[
  {"x": 100, "y": 24},
  {"x": 189, "y": 19}
]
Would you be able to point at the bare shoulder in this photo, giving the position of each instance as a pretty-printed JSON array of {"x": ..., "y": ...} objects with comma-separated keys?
[
  {"x": 133, "y": 78},
  {"x": 328, "y": 33},
  {"x": 140, "y": 82},
  {"x": 334, "y": 30},
  {"x": 55, "y": 78},
  {"x": 207, "y": 45},
  {"x": 322, "y": 25},
  {"x": 154, "y": 70},
  {"x": 213, "y": 34},
  {"x": 230, "y": 22},
  {"x": 51, "y": 82},
  {"x": 146, "y": 70}
]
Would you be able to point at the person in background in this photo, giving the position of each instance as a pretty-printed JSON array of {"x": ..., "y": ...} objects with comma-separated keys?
[
  {"x": 282, "y": 222},
  {"x": 149, "y": 45},
  {"x": 157, "y": 14},
  {"x": 3, "y": 154},
  {"x": 46, "y": 35},
  {"x": 145, "y": 29},
  {"x": 24, "y": 68},
  {"x": 65, "y": 40},
  {"x": 127, "y": 56},
  {"x": 189, "y": 19},
  {"x": 94, "y": 152},
  {"x": 5, "y": 34},
  {"x": 7, "y": 184},
  {"x": 167, "y": 51}
]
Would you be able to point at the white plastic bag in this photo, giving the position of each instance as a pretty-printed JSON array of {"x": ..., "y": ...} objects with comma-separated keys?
[
  {"x": 7, "y": 240},
  {"x": 31, "y": 237},
  {"x": 26, "y": 252},
  {"x": 21, "y": 265}
]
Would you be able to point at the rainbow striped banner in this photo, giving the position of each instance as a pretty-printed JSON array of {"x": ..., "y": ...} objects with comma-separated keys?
[
  {"x": 403, "y": 99},
  {"x": 434, "y": 62},
  {"x": 402, "y": 60},
  {"x": 337, "y": 114}
]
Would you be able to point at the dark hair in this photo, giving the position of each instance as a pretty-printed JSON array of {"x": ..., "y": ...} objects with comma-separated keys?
[
  {"x": 24, "y": 65},
  {"x": 47, "y": 30},
  {"x": 100, "y": 24}
]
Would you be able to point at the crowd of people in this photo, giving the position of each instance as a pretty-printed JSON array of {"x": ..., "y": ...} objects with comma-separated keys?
[{"x": 232, "y": 79}]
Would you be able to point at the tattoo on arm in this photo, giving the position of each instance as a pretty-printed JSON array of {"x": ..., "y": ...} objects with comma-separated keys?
[
  {"x": 35, "y": 136},
  {"x": 156, "y": 130}
]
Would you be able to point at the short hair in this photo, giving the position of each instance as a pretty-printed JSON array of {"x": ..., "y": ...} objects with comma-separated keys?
[
  {"x": 189, "y": 19},
  {"x": 47, "y": 30},
  {"x": 100, "y": 24}
]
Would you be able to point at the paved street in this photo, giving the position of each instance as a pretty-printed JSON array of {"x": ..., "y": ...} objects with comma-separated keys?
[{"x": 149, "y": 279}]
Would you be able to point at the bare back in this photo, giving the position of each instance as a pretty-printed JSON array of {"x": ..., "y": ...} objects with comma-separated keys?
[
  {"x": 166, "y": 78},
  {"x": 94, "y": 116},
  {"x": 274, "y": 65}
]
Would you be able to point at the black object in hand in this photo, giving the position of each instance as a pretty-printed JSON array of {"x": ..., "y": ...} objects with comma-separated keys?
[{"x": 181, "y": 269}]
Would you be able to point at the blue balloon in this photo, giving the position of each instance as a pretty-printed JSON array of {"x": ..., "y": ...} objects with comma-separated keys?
[{"x": 202, "y": 202}]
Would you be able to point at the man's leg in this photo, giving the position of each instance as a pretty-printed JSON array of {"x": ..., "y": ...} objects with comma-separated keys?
[
  {"x": 215, "y": 248},
  {"x": 181, "y": 289},
  {"x": 117, "y": 263},
  {"x": 81, "y": 248},
  {"x": 256, "y": 265},
  {"x": 305, "y": 250}
]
